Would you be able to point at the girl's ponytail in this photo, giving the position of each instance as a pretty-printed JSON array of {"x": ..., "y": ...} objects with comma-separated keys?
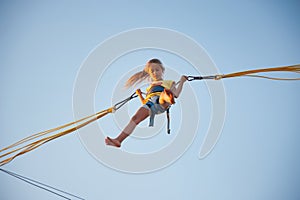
[
  {"x": 142, "y": 75},
  {"x": 136, "y": 78}
]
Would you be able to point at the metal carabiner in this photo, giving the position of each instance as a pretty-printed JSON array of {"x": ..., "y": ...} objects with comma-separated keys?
[{"x": 191, "y": 78}]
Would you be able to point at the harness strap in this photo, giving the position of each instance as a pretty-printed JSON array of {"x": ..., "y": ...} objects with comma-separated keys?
[
  {"x": 168, "y": 121},
  {"x": 151, "y": 120},
  {"x": 151, "y": 105},
  {"x": 152, "y": 116},
  {"x": 152, "y": 95}
]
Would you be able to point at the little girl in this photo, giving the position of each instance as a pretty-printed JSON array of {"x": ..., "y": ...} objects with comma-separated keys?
[{"x": 160, "y": 96}]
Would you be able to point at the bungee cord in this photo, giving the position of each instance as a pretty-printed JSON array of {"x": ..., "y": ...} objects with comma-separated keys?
[
  {"x": 33, "y": 145},
  {"x": 292, "y": 68},
  {"x": 36, "y": 140},
  {"x": 254, "y": 73},
  {"x": 71, "y": 127}
]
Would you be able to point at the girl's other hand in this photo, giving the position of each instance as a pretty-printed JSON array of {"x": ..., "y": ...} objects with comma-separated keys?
[{"x": 183, "y": 78}]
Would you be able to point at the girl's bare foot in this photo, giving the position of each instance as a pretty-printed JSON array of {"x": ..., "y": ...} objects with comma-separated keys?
[{"x": 112, "y": 142}]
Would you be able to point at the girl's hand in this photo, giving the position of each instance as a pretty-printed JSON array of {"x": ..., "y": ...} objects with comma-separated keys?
[
  {"x": 138, "y": 92},
  {"x": 177, "y": 90},
  {"x": 183, "y": 78}
]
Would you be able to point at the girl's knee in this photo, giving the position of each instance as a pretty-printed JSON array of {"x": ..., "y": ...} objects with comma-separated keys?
[
  {"x": 135, "y": 119},
  {"x": 140, "y": 115}
]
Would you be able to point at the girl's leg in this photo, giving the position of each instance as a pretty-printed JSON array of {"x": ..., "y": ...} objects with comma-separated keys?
[{"x": 139, "y": 116}]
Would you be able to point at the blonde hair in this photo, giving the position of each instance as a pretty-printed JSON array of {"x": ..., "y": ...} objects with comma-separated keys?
[{"x": 144, "y": 74}]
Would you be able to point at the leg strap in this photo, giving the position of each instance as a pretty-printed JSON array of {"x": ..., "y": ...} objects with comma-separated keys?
[{"x": 168, "y": 121}]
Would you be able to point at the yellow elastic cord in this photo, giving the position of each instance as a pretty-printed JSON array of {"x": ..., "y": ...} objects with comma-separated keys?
[
  {"x": 292, "y": 68},
  {"x": 151, "y": 95},
  {"x": 33, "y": 145}
]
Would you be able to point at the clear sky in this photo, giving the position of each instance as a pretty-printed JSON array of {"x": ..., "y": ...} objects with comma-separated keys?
[{"x": 43, "y": 46}]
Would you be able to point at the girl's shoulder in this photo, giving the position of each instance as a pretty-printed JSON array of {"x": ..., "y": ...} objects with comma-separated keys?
[
  {"x": 164, "y": 83},
  {"x": 167, "y": 84}
]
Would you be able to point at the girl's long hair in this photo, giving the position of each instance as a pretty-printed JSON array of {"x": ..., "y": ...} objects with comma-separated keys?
[{"x": 144, "y": 74}]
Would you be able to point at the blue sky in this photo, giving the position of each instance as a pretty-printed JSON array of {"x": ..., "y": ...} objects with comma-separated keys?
[{"x": 44, "y": 43}]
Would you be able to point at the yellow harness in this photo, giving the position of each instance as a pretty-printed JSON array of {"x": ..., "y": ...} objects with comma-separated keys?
[{"x": 151, "y": 92}]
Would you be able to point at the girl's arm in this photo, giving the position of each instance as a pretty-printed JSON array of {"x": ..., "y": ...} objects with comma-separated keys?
[
  {"x": 176, "y": 91},
  {"x": 139, "y": 93}
]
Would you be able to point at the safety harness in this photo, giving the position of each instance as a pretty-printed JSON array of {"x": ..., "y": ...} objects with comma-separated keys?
[{"x": 153, "y": 95}]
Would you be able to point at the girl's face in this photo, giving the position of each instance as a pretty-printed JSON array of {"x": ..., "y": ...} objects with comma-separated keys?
[{"x": 155, "y": 72}]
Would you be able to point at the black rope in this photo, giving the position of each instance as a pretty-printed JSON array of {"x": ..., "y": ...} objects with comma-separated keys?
[
  {"x": 40, "y": 185},
  {"x": 192, "y": 78},
  {"x": 123, "y": 102}
]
